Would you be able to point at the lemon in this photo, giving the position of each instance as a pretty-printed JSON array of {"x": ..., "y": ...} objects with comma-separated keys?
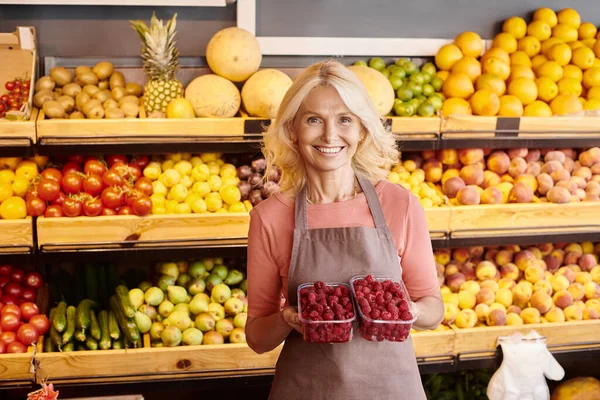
[
  {"x": 13, "y": 208},
  {"x": 198, "y": 205},
  {"x": 538, "y": 109},
  {"x": 196, "y": 161},
  {"x": 170, "y": 177},
  {"x": 469, "y": 43},
  {"x": 201, "y": 188},
  {"x": 520, "y": 71},
  {"x": 597, "y": 62},
  {"x": 159, "y": 188},
  {"x": 175, "y": 157},
  {"x": 496, "y": 67},
  {"x": 447, "y": 56},
  {"x": 592, "y": 104},
  {"x": 230, "y": 181},
  {"x": 178, "y": 193},
  {"x": 469, "y": 66},
  {"x": 593, "y": 93},
  {"x": 573, "y": 71},
  {"x": 213, "y": 202},
  {"x": 187, "y": 181},
  {"x": 539, "y": 29},
  {"x": 455, "y": 106},
  {"x": 200, "y": 173},
  {"x": 180, "y": 108},
  {"x": 238, "y": 207},
  {"x": 206, "y": 157},
  {"x": 485, "y": 102},
  {"x": 565, "y": 32},
  {"x": 170, "y": 206},
  {"x": 183, "y": 208},
  {"x": 498, "y": 53},
  {"x": 520, "y": 57},
  {"x": 547, "y": 15},
  {"x": 591, "y": 77},
  {"x": 569, "y": 86},
  {"x": 230, "y": 194},
  {"x": 228, "y": 170},
  {"x": 158, "y": 210},
  {"x": 537, "y": 61},
  {"x": 564, "y": 104},
  {"x": 167, "y": 164},
  {"x": 561, "y": 53},
  {"x": 505, "y": 41},
  {"x": 6, "y": 191},
  {"x": 550, "y": 69},
  {"x": 515, "y": 26},
  {"x": 510, "y": 106},
  {"x": 547, "y": 89},
  {"x": 213, "y": 167},
  {"x": 569, "y": 16},
  {"x": 458, "y": 85},
  {"x": 215, "y": 182},
  {"x": 158, "y": 200},
  {"x": 576, "y": 45},
  {"x": 525, "y": 89},
  {"x": 183, "y": 167},
  {"x": 220, "y": 162},
  {"x": 490, "y": 81},
  {"x": 20, "y": 186},
  {"x": 546, "y": 45},
  {"x": 7, "y": 176}
]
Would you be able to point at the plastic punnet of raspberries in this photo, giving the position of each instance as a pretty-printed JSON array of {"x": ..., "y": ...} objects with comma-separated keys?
[
  {"x": 327, "y": 312},
  {"x": 381, "y": 301}
]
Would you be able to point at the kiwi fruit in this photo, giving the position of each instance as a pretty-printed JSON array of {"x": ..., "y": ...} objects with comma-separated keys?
[
  {"x": 103, "y": 69},
  {"x": 118, "y": 93},
  {"x": 91, "y": 90},
  {"x": 81, "y": 99},
  {"x": 43, "y": 96},
  {"x": 87, "y": 78},
  {"x": 133, "y": 89},
  {"x": 76, "y": 115},
  {"x": 131, "y": 110},
  {"x": 45, "y": 82},
  {"x": 53, "y": 109},
  {"x": 61, "y": 76},
  {"x": 81, "y": 69},
  {"x": 102, "y": 95},
  {"x": 129, "y": 99},
  {"x": 67, "y": 102},
  {"x": 114, "y": 113},
  {"x": 110, "y": 103},
  {"x": 71, "y": 89},
  {"x": 116, "y": 80},
  {"x": 103, "y": 85}
]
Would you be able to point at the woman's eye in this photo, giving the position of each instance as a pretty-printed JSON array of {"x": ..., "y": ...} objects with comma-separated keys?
[
  {"x": 312, "y": 120},
  {"x": 345, "y": 120}
]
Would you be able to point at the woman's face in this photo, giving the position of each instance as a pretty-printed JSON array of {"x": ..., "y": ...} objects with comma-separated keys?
[{"x": 327, "y": 133}]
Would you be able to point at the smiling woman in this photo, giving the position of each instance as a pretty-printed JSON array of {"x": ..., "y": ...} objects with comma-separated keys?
[{"x": 333, "y": 150}]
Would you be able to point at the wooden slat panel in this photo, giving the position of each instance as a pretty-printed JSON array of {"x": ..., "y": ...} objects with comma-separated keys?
[
  {"x": 468, "y": 126},
  {"x": 416, "y": 125},
  {"x": 15, "y": 368},
  {"x": 19, "y": 129},
  {"x": 438, "y": 219},
  {"x": 16, "y": 232},
  {"x": 430, "y": 343}
]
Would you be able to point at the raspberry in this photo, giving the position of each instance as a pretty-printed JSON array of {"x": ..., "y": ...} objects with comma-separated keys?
[
  {"x": 344, "y": 301},
  {"x": 328, "y": 315},
  {"x": 349, "y": 314},
  {"x": 313, "y": 314},
  {"x": 323, "y": 302},
  {"x": 337, "y": 292},
  {"x": 319, "y": 308},
  {"x": 366, "y": 290},
  {"x": 366, "y": 309},
  {"x": 388, "y": 296},
  {"x": 332, "y": 299},
  {"x": 379, "y": 293},
  {"x": 317, "y": 318},
  {"x": 340, "y": 316},
  {"x": 303, "y": 292},
  {"x": 312, "y": 298},
  {"x": 345, "y": 291},
  {"x": 401, "y": 295},
  {"x": 390, "y": 307},
  {"x": 321, "y": 296},
  {"x": 403, "y": 307},
  {"x": 371, "y": 298},
  {"x": 406, "y": 316},
  {"x": 369, "y": 278},
  {"x": 337, "y": 307},
  {"x": 319, "y": 284},
  {"x": 305, "y": 314},
  {"x": 387, "y": 283},
  {"x": 360, "y": 294},
  {"x": 375, "y": 314},
  {"x": 349, "y": 307},
  {"x": 380, "y": 300},
  {"x": 359, "y": 282},
  {"x": 396, "y": 314},
  {"x": 377, "y": 286},
  {"x": 386, "y": 316}
]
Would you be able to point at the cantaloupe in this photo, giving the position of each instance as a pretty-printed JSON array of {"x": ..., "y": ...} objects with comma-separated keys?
[
  {"x": 378, "y": 86},
  {"x": 264, "y": 91},
  {"x": 233, "y": 53},
  {"x": 213, "y": 96}
]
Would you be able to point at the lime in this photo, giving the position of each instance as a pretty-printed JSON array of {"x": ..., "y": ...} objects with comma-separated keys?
[
  {"x": 385, "y": 73},
  {"x": 404, "y": 110},
  {"x": 428, "y": 90},
  {"x": 421, "y": 98},
  {"x": 440, "y": 95},
  {"x": 436, "y": 102},
  {"x": 399, "y": 72},
  {"x": 429, "y": 68},
  {"x": 395, "y": 81},
  {"x": 377, "y": 63},
  {"x": 361, "y": 63},
  {"x": 418, "y": 78},
  {"x": 437, "y": 83},
  {"x": 414, "y": 103},
  {"x": 402, "y": 61},
  {"x": 404, "y": 93},
  {"x": 426, "y": 77},
  {"x": 416, "y": 88},
  {"x": 397, "y": 101},
  {"x": 410, "y": 68},
  {"x": 426, "y": 110},
  {"x": 391, "y": 67}
]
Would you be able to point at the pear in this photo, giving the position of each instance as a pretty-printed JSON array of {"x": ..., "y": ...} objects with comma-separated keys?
[
  {"x": 240, "y": 320},
  {"x": 165, "y": 281},
  {"x": 154, "y": 296},
  {"x": 179, "y": 319},
  {"x": 233, "y": 277},
  {"x": 157, "y": 343},
  {"x": 220, "y": 270},
  {"x": 169, "y": 268},
  {"x": 213, "y": 280},
  {"x": 143, "y": 322},
  {"x": 197, "y": 269},
  {"x": 165, "y": 308},
  {"x": 205, "y": 322},
  {"x": 196, "y": 285},
  {"x": 183, "y": 279},
  {"x": 237, "y": 293},
  {"x": 145, "y": 285},
  {"x": 245, "y": 308},
  {"x": 192, "y": 337},
  {"x": 198, "y": 304},
  {"x": 171, "y": 336},
  {"x": 183, "y": 307},
  {"x": 182, "y": 266},
  {"x": 212, "y": 337},
  {"x": 224, "y": 327},
  {"x": 156, "y": 330},
  {"x": 177, "y": 294},
  {"x": 148, "y": 310},
  {"x": 209, "y": 263},
  {"x": 233, "y": 306},
  {"x": 136, "y": 297},
  {"x": 244, "y": 286},
  {"x": 220, "y": 293},
  {"x": 217, "y": 311},
  {"x": 237, "y": 335}
]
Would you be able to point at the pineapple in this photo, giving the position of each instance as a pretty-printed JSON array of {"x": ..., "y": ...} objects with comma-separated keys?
[{"x": 160, "y": 63}]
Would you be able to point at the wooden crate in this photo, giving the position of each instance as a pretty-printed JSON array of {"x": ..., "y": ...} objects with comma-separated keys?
[
  {"x": 433, "y": 343},
  {"x": 154, "y": 363},
  {"x": 15, "y": 369},
  {"x": 438, "y": 221},
  {"x": 152, "y": 228},
  {"x": 415, "y": 127},
  {"x": 16, "y": 235},
  {"x": 494, "y": 219},
  {"x": 15, "y": 130},
  {"x": 485, "y": 339}
]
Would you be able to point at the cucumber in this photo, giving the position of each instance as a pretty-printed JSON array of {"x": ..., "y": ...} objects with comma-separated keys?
[
  {"x": 104, "y": 343},
  {"x": 91, "y": 343},
  {"x": 94, "y": 326},
  {"x": 117, "y": 344},
  {"x": 126, "y": 306},
  {"x": 49, "y": 345},
  {"x": 127, "y": 325},
  {"x": 68, "y": 347},
  {"x": 68, "y": 333},
  {"x": 80, "y": 335},
  {"x": 60, "y": 318},
  {"x": 53, "y": 334},
  {"x": 91, "y": 287},
  {"x": 83, "y": 313},
  {"x": 113, "y": 326},
  {"x": 80, "y": 347}
]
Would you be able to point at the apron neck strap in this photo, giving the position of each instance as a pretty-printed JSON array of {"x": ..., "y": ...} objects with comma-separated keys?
[{"x": 301, "y": 214}]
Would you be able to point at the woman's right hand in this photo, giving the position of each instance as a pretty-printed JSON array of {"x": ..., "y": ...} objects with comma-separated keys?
[{"x": 290, "y": 316}]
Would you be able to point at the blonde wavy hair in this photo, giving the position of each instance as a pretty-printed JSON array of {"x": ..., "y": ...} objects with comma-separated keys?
[{"x": 374, "y": 155}]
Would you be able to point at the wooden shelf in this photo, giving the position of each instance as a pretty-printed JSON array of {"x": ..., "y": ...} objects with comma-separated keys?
[
  {"x": 433, "y": 343},
  {"x": 15, "y": 369},
  {"x": 438, "y": 221},
  {"x": 16, "y": 236}
]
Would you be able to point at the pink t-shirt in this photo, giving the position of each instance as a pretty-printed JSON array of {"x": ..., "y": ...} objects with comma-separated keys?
[{"x": 271, "y": 232}]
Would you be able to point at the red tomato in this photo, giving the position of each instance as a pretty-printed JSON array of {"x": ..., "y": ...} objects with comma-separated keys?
[
  {"x": 72, "y": 207},
  {"x": 2, "y": 347},
  {"x": 17, "y": 275},
  {"x": 114, "y": 158},
  {"x": 11, "y": 308},
  {"x": 112, "y": 197},
  {"x": 112, "y": 178},
  {"x": 108, "y": 211},
  {"x": 134, "y": 171},
  {"x": 76, "y": 159},
  {"x": 84, "y": 196},
  {"x": 29, "y": 294},
  {"x": 144, "y": 185},
  {"x": 60, "y": 199},
  {"x": 10, "y": 299},
  {"x": 16, "y": 347},
  {"x": 32, "y": 192},
  {"x": 35, "y": 206},
  {"x": 34, "y": 280},
  {"x": 71, "y": 167},
  {"x": 94, "y": 167},
  {"x": 28, "y": 310},
  {"x": 48, "y": 189},
  {"x": 72, "y": 183},
  {"x": 93, "y": 185},
  {"x": 5, "y": 269},
  {"x": 52, "y": 173},
  {"x": 7, "y": 337},
  {"x": 93, "y": 207},
  {"x": 41, "y": 323},
  {"x": 142, "y": 205},
  {"x": 13, "y": 289},
  {"x": 141, "y": 161},
  {"x": 9, "y": 322},
  {"x": 131, "y": 196},
  {"x": 125, "y": 210},
  {"x": 4, "y": 280},
  {"x": 53, "y": 211}
]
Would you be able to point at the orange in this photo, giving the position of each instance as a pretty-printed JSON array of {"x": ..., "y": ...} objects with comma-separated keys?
[
  {"x": 456, "y": 106},
  {"x": 546, "y": 14},
  {"x": 566, "y": 33},
  {"x": 537, "y": 61},
  {"x": 510, "y": 106},
  {"x": 587, "y": 30},
  {"x": 539, "y": 29},
  {"x": 497, "y": 53},
  {"x": 596, "y": 48},
  {"x": 593, "y": 93},
  {"x": 564, "y": 104},
  {"x": 589, "y": 42},
  {"x": 551, "y": 69},
  {"x": 592, "y": 104},
  {"x": 583, "y": 57},
  {"x": 519, "y": 57},
  {"x": 591, "y": 77},
  {"x": 547, "y": 89},
  {"x": 538, "y": 109},
  {"x": 515, "y": 26},
  {"x": 469, "y": 43},
  {"x": 570, "y": 86},
  {"x": 443, "y": 74},
  {"x": 530, "y": 45},
  {"x": 525, "y": 89},
  {"x": 458, "y": 85},
  {"x": 597, "y": 62},
  {"x": 493, "y": 82},
  {"x": 447, "y": 56},
  {"x": 576, "y": 44},
  {"x": 505, "y": 41},
  {"x": 573, "y": 71},
  {"x": 497, "y": 67},
  {"x": 521, "y": 71},
  {"x": 569, "y": 16},
  {"x": 547, "y": 45},
  {"x": 468, "y": 65},
  {"x": 561, "y": 53},
  {"x": 485, "y": 102}
]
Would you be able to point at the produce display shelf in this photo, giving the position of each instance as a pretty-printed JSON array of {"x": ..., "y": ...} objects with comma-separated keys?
[
  {"x": 17, "y": 239},
  {"x": 17, "y": 138}
]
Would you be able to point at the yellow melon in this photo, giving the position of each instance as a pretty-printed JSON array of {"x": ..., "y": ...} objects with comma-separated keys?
[
  {"x": 378, "y": 86},
  {"x": 233, "y": 53},
  {"x": 263, "y": 92},
  {"x": 213, "y": 96}
]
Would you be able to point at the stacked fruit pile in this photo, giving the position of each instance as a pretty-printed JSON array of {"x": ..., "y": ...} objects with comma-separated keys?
[
  {"x": 252, "y": 184},
  {"x": 17, "y": 94},
  {"x": 484, "y": 176},
  {"x": 511, "y": 285},
  {"x": 550, "y": 66},
  {"x": 16, "y": 177}
]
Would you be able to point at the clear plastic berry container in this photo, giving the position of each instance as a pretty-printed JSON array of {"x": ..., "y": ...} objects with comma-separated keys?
[
  {"x": 384, "y": 327},
  {"x": 317, "y": 327}
]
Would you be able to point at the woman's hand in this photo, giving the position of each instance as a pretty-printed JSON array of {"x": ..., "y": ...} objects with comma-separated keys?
[{"x": 290, "y": 316}]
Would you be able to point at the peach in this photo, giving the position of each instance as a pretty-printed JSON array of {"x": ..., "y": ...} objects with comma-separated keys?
[
  {"x": 569, "y": 152},
  {"x": 490, "y": 179},
  {"x": 581, "y": 195},
  {"x": 543, "y": 286},
  {"x": 593, "y": 187},
  {"x": 470, "y": 156},
  {"x": 482, "y": 310},
  {"x": 595, "y": 273},
  {"x": 455, "y": 281},
  {"x": 529, "y": 180},
  {"x": 548, "y": 275},
  {"x": 448, "y": 156},
  {"x": 551, "y": 166},
  {"x": 534, "y": 273},
  {"x": 496, "y": 318},
  {"x": 513, "y": 309},
  {"x": 452, "y": 186},
  {"x": 427, "y": 154},
  {"x": 468, "y": 270},
  {"x": 576, "y": 268},
  {"x": 449, "y": 173},
  {"x": 541, "y": 301},
  {"x": 590, "y": 157},
  {"x": 546, "y": 248},
  {"x": 552, "y": 262},
  {"x": 505, "y": 188},
  {"x": 497, "y": 306},
  {"x": 460, "y": 254},
  {"x": 591, "y": 197},
  {"x": 569, "y": 165},
  {"x": 506, "y": 283},
  {"x": 442, "y": 256},
  {"x": 532, "y": 155},
  {"x": 595, "y": 168},
  {"x": 579, "y": 304},
  {"x": 466, "y": 318},
  {"x": 485, "y": 270},
  {"x": 490, "y": 254},
  {"x": 504, "y": 297},
  {"x": 450, "y": 298},
  {"x": 504, "y": 257},
  {"x": 520, "y": 193},
  {"x": 562, "y": 299},
  {"x": 587, "y": 262},
  {"x": 570, "y": 186},
  {"x": 596, "y": 178},
  {"x": 513, "y": 319},
  {"x": 513, "y": 248},
  {"x": 433, "y": 170},
  {"x": 560, "y": 175},
  {"x": 577, "y": 291},
  {"x": 476, "y": 251},
  {"x": 530, "y": 315},
  {"x": 545, "y": 183},
  {"x": 445, "y": 290},
  {"x": 555, "y": 155},
  {"x": 583, "y": 172},
  {"x": 593, "y": 303},
  {"x": 537, "y": 253},
  {"x": 559, "y": 282},
  {"x": 517, "y": 167},
  {"x": 583, "y": 277},
  {"x": 450, "y": 312},
  {"x": 524, "y": 259},
  {"x": 441, "y": 280},
  {"x": 555, "y": 314},
  {"x": 470, "y": 286},
  {"x": 468, "y": 196},
  {"x": 472, "y": 174},
  {"x": 452, "y": 267},
  {"x": 559, "y": 195},
  {"x": 485, "y": 296},
  {"x": 439, "y": 268},
  {"x": 590, "y": 313},
  {"x": 521, "y": 295},
  {"x": 491, "y": 195},
  {"x": 506, "y": 178},
  {"x": 466, "y": 299},
  {"x": 573, "y": 313},
  {"x": 572, "y": 258},
  {"x": 592, "y": 290},
  {"x": 490, "y": 284},
  {"x": 510, "y": 271},
  {"x": 518, "y": 152},
  {"x": 580, "y": 182},
  {"x": 498, "y": 162},
  {"x": 533, "y": 168}
]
